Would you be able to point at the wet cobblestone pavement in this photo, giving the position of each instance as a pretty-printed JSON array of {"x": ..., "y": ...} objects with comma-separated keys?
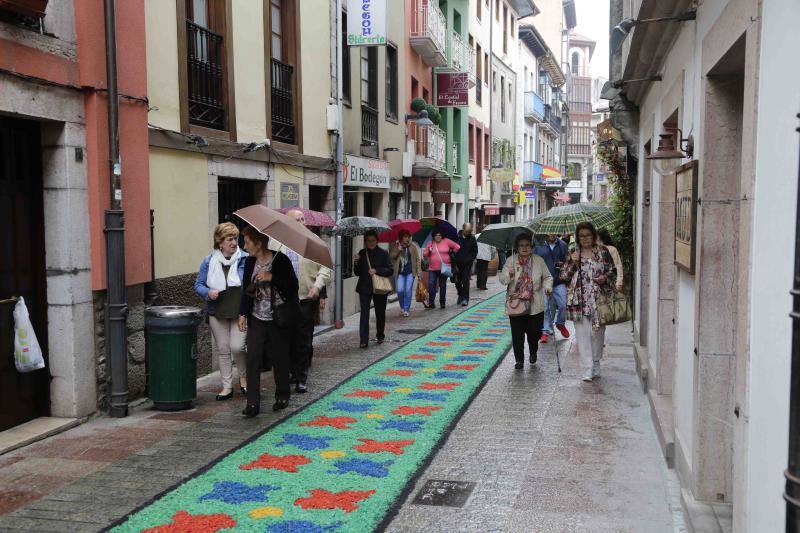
[
  {"x": 545, "y": 451},
  {"x": 549, "y": 453}
]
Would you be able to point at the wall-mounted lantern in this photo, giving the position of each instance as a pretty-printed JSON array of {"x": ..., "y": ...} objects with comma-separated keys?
[{"x": 667, "y": 158}]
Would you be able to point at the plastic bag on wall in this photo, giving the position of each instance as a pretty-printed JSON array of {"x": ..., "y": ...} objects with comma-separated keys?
[{"x": 27, "y": 352}]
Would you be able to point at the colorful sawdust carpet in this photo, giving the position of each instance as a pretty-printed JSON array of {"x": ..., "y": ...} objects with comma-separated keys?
[{"x": 344, "y": 461}]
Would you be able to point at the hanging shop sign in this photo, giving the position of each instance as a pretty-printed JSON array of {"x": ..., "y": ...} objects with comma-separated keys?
[
  {"x": 366, "y": 22},
  {"x": 530, "y": 193},
  {"x": 491, "y": 210},
  {"x": 553, "y": 182},
  {"x": 452, "y": 89},
  {"x": 366, "y": 172},
  {"x": 290, "y": 194},
  {"x": 686, "y": 216},
  {"x": 501, "y": 175}
]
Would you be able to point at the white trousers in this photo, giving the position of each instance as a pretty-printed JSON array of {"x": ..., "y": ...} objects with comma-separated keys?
[
  {"x": 590, "y": 344},
  {"x": 230, "y": 347}
]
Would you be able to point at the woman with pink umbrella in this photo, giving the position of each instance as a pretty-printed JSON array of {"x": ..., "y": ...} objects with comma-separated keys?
[{"x": 407, "y": 261}]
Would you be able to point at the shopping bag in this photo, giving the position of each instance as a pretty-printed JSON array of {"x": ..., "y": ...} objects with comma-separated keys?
[
  {"x": 612, "y": 308},
  {"x": 422, "y": 292},
  {"x": 27, "y": 352}
]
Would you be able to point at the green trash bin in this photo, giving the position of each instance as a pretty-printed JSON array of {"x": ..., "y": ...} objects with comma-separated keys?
[{"x": 171, "y": 337}]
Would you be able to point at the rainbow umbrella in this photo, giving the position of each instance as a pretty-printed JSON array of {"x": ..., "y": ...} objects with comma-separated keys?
[
  {"x": 410, "y": 225},
  {"x": 429, "y": 224}
]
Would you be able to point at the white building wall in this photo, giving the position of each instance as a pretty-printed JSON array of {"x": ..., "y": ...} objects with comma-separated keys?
[{"x": 763, "y": 508}]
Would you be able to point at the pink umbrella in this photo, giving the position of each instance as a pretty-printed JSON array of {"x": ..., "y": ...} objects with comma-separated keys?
[
  {"x": 409, "y": 224},
  {"x": 313, "y": 218}
]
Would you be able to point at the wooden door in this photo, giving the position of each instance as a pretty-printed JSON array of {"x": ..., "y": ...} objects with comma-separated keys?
[{"x": 22, "y": 268}]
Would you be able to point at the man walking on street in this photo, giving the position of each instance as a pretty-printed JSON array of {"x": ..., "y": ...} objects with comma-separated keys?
[
  {"x": 555, "y": 253},
  {"x": 312, "y": 279},
  {"x": 485, "y": 254},
  {"x": 464, "y": 258}
]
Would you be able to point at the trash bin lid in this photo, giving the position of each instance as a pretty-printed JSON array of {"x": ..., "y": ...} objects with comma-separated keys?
[{"x": 173, "y": 311}]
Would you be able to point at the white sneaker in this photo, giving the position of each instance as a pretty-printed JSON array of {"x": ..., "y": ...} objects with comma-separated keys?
[
  {"x": 405, "y": 313},
  {"x": 587, "y": 379},
  {"x": 596, "y": 369}
]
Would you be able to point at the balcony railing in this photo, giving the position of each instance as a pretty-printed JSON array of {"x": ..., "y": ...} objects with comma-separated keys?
[
  {"x": 457, "y": 54},
  {"x": 472, "y": 74},
  {"x": 283, "y": 126},
  {"x": 531, "y": 172},
  {"x": 555, "y": 123},
  {"x": 534, "y": 106},
  {"x": 428, "y": 34},
  {"x": 206, "y": 71},
  {"x": 456, "y": 160},
  {"x": 429, "y": 142},
  {"x": 369, "y": 125}
]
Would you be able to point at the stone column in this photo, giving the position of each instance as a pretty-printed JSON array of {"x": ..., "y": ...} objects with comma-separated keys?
[{"x": 665, "y": 370}]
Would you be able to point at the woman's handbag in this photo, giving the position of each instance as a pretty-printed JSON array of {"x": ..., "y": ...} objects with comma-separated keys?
[
  {"x": 422, "y": 292},
  {"x": 380, "y": 284},
  {"x": 447, "y": 270},
  {"x": 516, "y": 306},
  {"x": 612, "y": 308}
]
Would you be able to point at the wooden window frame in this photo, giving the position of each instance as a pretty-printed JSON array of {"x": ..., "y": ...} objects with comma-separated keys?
[
  {"x": 183, "y": 77},
  {"x": 290, "y": 19},
  {"x": 347, "y": 67},
  {"x": 392, "y": 92}
]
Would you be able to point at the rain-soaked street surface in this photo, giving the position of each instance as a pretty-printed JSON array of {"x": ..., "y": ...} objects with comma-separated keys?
[
  {"x": 545, "y": 451},
  {"x": 549, "y": 453}
]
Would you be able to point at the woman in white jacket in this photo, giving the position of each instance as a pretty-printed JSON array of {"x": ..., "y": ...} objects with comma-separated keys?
[{"x": 528, "y": 280}]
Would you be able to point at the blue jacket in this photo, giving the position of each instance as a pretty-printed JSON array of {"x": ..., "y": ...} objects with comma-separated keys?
[
  {"x": 559, "y": 254},
  {"x": 202, "y": 289}
]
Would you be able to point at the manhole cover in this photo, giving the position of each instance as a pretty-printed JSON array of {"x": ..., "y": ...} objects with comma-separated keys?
[
  {"x": 445, "y": 493},
  {"x": 412, "y": 331}
]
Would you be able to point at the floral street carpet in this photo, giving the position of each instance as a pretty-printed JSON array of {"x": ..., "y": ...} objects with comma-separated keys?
[{"x": 344, "y": 462}]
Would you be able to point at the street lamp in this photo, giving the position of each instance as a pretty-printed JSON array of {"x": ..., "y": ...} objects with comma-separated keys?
[
  {"x": 667, "y": 157},
  {"x": 421, "y": 119},
  {"x": 621, "y": 30}
]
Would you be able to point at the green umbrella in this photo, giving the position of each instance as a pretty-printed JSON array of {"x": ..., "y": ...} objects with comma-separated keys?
[
  {"x": 564, "y": 218},
  {"x": 502, "y": 235}
]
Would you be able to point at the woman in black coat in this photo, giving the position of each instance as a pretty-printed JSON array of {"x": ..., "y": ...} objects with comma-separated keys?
[
  {"x": 270, "y": 283},
  {"x": 371, "y": 260}
]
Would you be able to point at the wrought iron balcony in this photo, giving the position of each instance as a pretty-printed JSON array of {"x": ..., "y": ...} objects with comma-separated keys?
[
  {"x": 428, "y": 36},
  {"x": 456, "y": 160},
  {"x": 206, "y": 71},
  {"x": 369, "y": 125},
  {"x": 472, "y": 74},
  {"x": 457, "y": 54},
  {"x": 429, "y": 144},
  {"x": 283, "y": 124},
  {"x": 534, "y": 107}
]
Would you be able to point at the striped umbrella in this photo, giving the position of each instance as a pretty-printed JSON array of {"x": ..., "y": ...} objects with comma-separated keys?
[
  {"x": 502, "y": 235},
  {"x": 352, "y": 226},
  {"x": 429, "y": 224},
  {"x": 563, "y": 219}
]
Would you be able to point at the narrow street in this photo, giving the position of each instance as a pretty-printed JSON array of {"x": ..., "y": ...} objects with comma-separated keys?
[{"x": 545, "y": 451}]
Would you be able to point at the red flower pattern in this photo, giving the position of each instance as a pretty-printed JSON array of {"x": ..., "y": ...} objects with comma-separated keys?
[
  {"x": 406, "y": 410},
  {"x": 183, "y": 522},
  {"x": 338, "y": 422},
  {"x": 286, "y": 463},
  {"x": 437, "y": 386},
  {"x": 391, "y": 446},
  {"x": 358, "y": 393},
  {"x": 460, "y": 367},
  {"x": 323, "y": 499}
]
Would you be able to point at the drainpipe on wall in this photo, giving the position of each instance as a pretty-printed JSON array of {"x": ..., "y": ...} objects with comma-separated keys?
[
  {"x": 338, "y": 307},
  {"x": 116, "y": 307},
  {"x": 792, "y": 473}
]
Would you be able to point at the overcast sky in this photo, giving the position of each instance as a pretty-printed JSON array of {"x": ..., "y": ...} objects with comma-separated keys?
[{"x": 592, "y": 18}]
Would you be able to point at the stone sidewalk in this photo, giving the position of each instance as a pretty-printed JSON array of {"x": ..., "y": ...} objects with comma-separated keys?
[
  {"x": 549, "y": 453},
  {"x": 91, "y": 475}
]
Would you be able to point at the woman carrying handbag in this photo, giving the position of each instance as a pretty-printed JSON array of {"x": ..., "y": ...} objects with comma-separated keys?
[
  {"x": 589, "y": 275},
  {"x": 528, "y": 280},
  {"x": 373, "y": 268}
]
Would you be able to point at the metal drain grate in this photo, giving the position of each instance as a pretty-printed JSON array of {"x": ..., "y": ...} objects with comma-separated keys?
[
  {"x": 443, "y": 493},
  {"x": 413, "y": 331}
]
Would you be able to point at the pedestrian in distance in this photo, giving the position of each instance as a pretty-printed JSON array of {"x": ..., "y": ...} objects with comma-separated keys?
[
  {"x": 486, "y": 253},
  {"x": 588, "y": 271},
  {"x": 554, "y": 252},
  {"x": 440, "y": 266},
  {"x": 369, "y": 261},
  {"x": 219, "y": 283},
  {"x": 464, "y": 259},
  {"x": 528, "y": 280},
  {"x": 268, "y": 312},
  {"x": 502, "y": 254},
  {"x": 312, "y": 279},
  {"x": 407, "y": 261},
  {"x": 604, "y": 238}
]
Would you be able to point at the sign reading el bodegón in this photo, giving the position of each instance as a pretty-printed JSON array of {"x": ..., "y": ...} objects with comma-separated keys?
[
  {"x": 366, "y": 22},
  {"x": 452, "y": 89},
  {"x": 366, "y": 172}
]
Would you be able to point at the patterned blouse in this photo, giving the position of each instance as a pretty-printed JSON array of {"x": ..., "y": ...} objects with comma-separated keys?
[
  {"x": 583, "y": 290},
  {"x": 263, "y": 300}
]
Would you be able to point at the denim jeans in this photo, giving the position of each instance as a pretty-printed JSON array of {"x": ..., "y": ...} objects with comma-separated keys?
[
  {"x": 405, "y": 290},
  {"x": 435, "y": 276},
  {"x": 556, "y": 304}
]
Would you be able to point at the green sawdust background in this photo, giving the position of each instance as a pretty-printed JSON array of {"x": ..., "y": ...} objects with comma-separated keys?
[{"x": 316, "y": 475}]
